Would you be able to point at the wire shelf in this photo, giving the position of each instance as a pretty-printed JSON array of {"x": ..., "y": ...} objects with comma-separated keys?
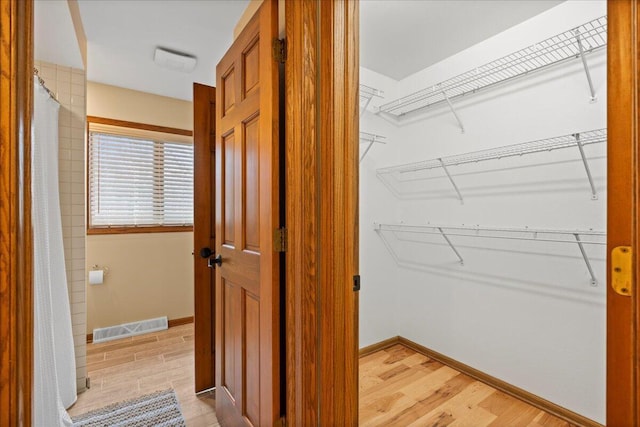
[
  {"x": 523, "y": 233},
  {"x": 571, "y": 44},
  {"x": 549, "y": 144},
  {"x": 574, "y": 237},
  {"x": 372, "y": 137},
  {"x": 367, "y": 92}
]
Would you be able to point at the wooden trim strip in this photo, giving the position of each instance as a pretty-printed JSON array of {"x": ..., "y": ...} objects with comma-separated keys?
[
  {"x": 180, "y": 321},
  {"x": 133, "y": 230},
  {"x": 379, "y": 346},
  {"x": 134, "y": 125},
  {"x": 172, "y": 323},
  {"x": 496, "y": 383}
]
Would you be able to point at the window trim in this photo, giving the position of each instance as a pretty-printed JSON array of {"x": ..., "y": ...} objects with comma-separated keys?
[{"x": 128, "y": 229}]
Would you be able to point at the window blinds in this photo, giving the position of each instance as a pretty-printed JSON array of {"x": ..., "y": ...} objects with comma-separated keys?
[{"x": 139, "y": 178}]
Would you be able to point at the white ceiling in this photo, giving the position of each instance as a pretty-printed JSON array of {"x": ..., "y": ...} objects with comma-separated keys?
[
  {"x": 54, "y": 36},
  {"x": 398, "y": 37},
  {"x": 122, "y": 37},
  {"x": 401, "y": 37}
]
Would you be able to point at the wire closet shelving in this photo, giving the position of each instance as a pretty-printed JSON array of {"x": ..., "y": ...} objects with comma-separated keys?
[
  {"x": 571, "y": 44},
  {"x": 370, "y": 139},
  {"x": 574, "y": 140},
  {"x": 574, "y": 237},
  {"x": 367, "y": 93}
]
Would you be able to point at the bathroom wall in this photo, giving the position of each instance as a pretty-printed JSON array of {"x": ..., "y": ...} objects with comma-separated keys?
[
  {"x": 150, "y": 274},
  {"x": 69, "y": 86}
]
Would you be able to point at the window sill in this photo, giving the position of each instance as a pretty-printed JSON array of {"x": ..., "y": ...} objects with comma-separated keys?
[{"x": 142, "y": 229}]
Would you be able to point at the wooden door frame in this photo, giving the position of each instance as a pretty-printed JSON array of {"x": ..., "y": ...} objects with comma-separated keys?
[
  {"x": 322, "y": 122},
  {"x": 311, "y": 155},
  {"x": 203, "y": 228},
  {"x": 16, "y": 261},
  {"x": 623, "y": 163}
]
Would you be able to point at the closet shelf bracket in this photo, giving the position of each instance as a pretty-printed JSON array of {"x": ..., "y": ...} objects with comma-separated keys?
[
  {"x": 371, "y": 138},
  {"x": 367, "y": 93},
  {"x": 453, "y": 110},
  {"x": 594, "y": 98},
  {"x": 455, "y": 187},
  {"x": 453, "y": 248},
  {"x": 594, "y": 194},
  {"x": 594, "y": 281}
]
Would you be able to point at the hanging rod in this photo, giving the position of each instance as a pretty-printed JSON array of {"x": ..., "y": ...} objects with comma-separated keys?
[
  {"x": 574, "y": 140},
  {"x": 571, "y": 44},
  {"x": 529, "y": 234},
  {"x": 36, "y": 73},
  {"x": 371, "y": 138}
]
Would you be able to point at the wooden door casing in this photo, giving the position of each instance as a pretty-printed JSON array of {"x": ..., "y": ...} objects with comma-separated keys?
[
  {"x": 16, "y": 248},
  {"x": 247, "y": 215},
  {"x": 322, "y": 212},
  {"x": 204, "y": 130},
  {"x": 623, "y": 316}
]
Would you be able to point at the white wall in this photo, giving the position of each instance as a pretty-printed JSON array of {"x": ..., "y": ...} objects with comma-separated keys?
[
  {"x": 521, "y": 311},
  {"x": 377, "y": 269}
]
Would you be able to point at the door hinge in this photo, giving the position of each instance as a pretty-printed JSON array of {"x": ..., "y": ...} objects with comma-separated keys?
[
  {"x": 621, "y": 270},
  {"x": 356, "y": 283},
  {"x": 280, "y": 239},
  {"x": 279, "y": 50}
]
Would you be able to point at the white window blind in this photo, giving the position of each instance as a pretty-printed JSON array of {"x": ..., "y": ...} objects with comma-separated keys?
[{"x": 139, "y": 178}]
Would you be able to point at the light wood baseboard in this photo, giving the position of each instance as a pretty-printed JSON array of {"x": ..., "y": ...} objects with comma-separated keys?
[
  {"x": 390, "y": 342},
  {"x": 171, "y": 323},
  {"x": 494, "y": 382}
]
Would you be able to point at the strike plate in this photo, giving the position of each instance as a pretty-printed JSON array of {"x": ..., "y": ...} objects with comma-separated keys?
[{"x": 621, "y": 270}]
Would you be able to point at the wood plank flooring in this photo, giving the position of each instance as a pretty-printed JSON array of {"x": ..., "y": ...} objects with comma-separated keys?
[
  {"x": 131, "y": 367},
  {"x": 398, "y": 387}
]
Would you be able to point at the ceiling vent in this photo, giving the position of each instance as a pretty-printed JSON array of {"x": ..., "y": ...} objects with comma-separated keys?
[{"x": 174, "y": 60}]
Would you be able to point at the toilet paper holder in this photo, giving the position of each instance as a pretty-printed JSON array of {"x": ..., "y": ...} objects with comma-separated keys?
[{"x": 97, "y": 267}]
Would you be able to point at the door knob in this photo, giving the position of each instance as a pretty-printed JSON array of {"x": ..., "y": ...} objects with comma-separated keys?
[
  {"x": 212, "y": 262},
  {"x": 206, "y": 252},
  {"x": 218, "y": 260}
]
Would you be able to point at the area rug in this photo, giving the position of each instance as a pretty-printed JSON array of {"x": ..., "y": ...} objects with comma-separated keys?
[{"x": 160, "y": 409}]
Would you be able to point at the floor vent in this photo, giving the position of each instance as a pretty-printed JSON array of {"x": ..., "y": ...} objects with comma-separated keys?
[{"x": 130, "y": 329}]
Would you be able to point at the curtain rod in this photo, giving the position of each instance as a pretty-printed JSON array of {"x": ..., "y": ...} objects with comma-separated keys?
[{"x": 41, "y": 81}]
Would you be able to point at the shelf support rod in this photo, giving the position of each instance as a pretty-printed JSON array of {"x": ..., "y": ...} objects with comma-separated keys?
[
  {"x": 594, "y": 281},
  {"x": 366, "y": 104},
  {"x": 594, "y": 194},
  {"x": 453, "y": 248},
  {"x": 444, "y": 167},
  {"x": 453, "y": 110},
  {"x": 586, "y": 66},
  {"x": 373, "y": 140}
]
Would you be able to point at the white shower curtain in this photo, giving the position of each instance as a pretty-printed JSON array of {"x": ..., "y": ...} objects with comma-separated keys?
[{"x": 54, "y": 359}]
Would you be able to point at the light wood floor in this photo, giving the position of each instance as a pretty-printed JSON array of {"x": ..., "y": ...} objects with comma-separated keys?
[
  {"x": 132, "y": 367},
  {"x": 398, "y": 387}
]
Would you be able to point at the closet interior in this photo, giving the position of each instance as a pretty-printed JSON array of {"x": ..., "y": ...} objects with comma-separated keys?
[{"x": 483, "y": 204}]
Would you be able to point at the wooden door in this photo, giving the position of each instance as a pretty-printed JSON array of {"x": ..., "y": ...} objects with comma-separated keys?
[
  {"x": 204, "y": 130},
  {"x": 247, "y": 216},
  {"x": 623, "y": 311}
]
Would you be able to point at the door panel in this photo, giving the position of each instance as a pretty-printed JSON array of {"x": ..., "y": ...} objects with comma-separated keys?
[
  {"x": 204, "y": 118},
  {"x": 247, "y": 213}
]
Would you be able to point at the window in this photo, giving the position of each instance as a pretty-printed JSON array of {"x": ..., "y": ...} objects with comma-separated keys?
[{"x": 139, "y": 179}]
